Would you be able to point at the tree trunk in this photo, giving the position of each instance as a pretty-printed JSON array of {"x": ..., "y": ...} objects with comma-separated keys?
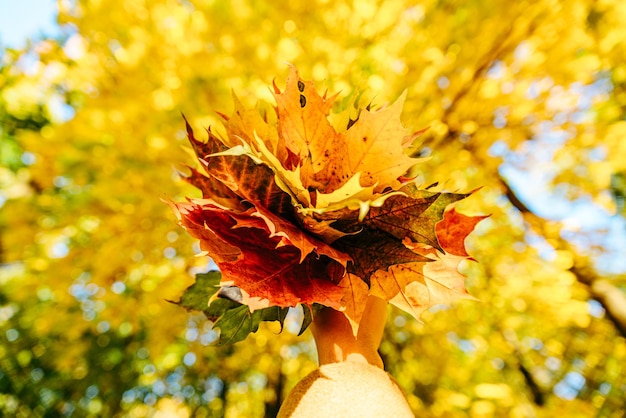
[{"x": 274, "y": 384}]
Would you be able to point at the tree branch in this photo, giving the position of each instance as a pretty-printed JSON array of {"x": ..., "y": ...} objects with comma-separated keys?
[
  {"x": 537, "y": 394},
  {"x": 612, "y": 299}
]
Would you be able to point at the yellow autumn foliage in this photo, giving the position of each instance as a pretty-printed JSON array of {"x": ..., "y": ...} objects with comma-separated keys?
[{"x": 523, "y": 99}]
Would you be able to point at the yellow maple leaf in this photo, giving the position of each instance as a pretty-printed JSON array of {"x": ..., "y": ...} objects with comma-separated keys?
[
  {"x": 423, "y": 285},
  {"x": 375, "y": 147},
  {"x": 372, "y": 148}
]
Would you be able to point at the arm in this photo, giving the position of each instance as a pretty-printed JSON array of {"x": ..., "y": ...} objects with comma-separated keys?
[{"x": 350, "y": 381}]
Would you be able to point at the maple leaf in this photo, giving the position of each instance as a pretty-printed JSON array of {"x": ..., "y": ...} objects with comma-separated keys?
[
  {"x": 235, "y": 320},
  {"x": 374, "y": 250},
  {"x": 375, "y": 147},
  {"x": 453, "y": 229},
  {"x": 438, "y": 282},
  {"x": 372, "y": 146},
  {"x": 198, "y": 294},
  {"x": 250, "y": 181},
  {"x": 355, "y": 293},
  {"x": 231, "y": 292},
  {"x": 214, "y": 189},
  {"x": 209, "y": 242},
  {"x": 236, "y": 323},
  {"x": 377, "y": 241},
  {"x": 295, "y": 236},
  {"x": 415, "y": 215},
  {"x": 305, "y": 129},
  {"x": 295, "y": 211},
  {"x": 308, "y": 312},
  {"x": 266, "y": 267}
]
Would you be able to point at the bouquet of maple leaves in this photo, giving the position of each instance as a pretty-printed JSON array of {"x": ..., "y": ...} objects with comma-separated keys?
[{"x": 298, "y": 210}]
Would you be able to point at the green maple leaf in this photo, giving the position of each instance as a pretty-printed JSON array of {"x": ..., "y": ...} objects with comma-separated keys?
[
  {"x": 197, "y": 296},
  {"x": 236, "y": 323},
  {"x": 309, "y": 312},
  {"x": 234, "y": 320}
]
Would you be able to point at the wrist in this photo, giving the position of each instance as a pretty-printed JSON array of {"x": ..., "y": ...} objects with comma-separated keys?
[{"x": 336, "y": 341}]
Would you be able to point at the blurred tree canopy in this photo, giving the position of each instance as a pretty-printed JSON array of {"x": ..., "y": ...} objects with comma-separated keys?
[{"x": 524, "y": 99}]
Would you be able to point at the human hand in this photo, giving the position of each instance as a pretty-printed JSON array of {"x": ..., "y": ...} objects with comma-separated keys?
[{"x": 336, "y": 341}]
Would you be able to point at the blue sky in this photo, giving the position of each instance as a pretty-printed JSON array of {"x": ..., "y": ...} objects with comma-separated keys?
[{"x": 22, "y": 19}]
